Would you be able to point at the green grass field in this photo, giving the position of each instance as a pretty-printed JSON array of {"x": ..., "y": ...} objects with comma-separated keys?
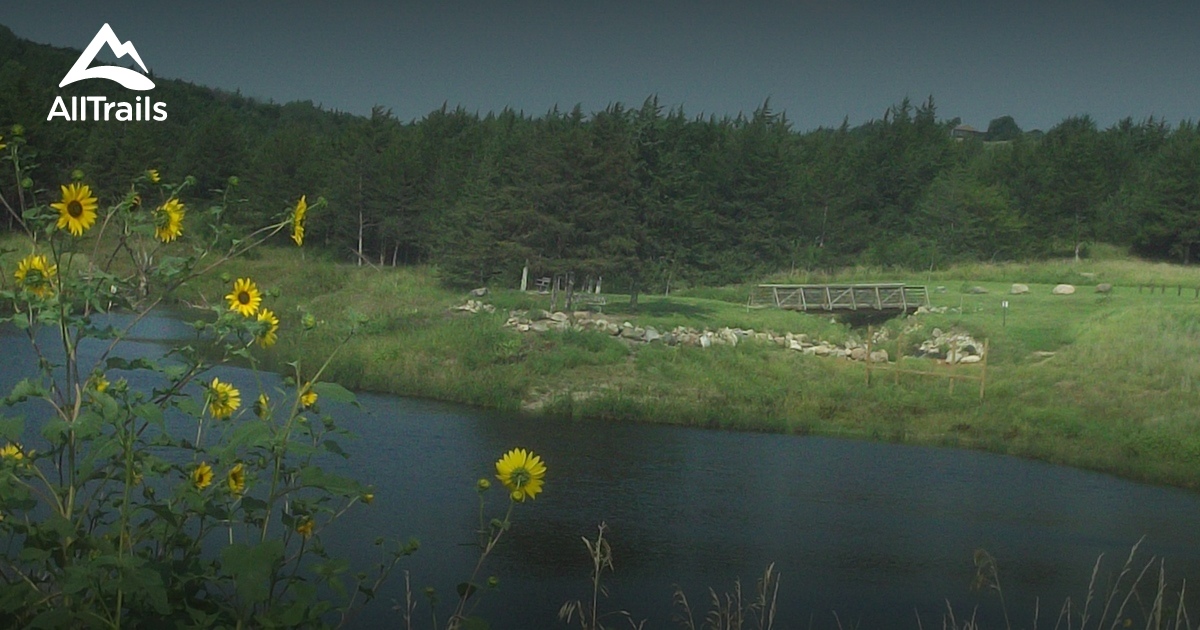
[{"x": 1119, "y": 394}]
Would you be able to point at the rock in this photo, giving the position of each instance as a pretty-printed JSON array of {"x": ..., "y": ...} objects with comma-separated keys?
[
  {"x": 971, "y": 358},
  {"x": 1019, "y": 289},
  {"x": 977, "y": 290},
  {"x": 879, "y": 356},
  {"x": 937, "y": 332},
  {"x": 1043, "y": 354},
  {"x": 480, "y": 292},
  {"x": 858, "y": 354},
  {"x": 670, "y": 339},
  {"x": 706, "y": 340},
  {"x": 1104, "y": 287},
  {"x": 636, "y": 334},
  {"x": 1088, "y": 274},
  {"x": 795, "y": 345},
  {"x": 822, "y": 350},
  {"x": 560, "y": 316},
  {"x": 540, "y": 326},
  {"x": 651, "y": 335},
  {"x": 1063, "y": 289}
]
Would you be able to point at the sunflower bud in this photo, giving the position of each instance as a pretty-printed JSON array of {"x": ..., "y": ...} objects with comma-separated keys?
[
  {"x": 77, "y": 175},
  {"x": 482, "y": 485},
  {"x": 18, "y": 130}
]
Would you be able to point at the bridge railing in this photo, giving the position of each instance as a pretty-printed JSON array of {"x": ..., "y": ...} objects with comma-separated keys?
[{"x": 840, "y": 297}]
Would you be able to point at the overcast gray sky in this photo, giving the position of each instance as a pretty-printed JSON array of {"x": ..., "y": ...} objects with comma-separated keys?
[{"x": 818, "y": 60}]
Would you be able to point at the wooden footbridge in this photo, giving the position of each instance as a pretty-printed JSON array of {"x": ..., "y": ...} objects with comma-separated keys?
[{"x": 840, "y": 298}]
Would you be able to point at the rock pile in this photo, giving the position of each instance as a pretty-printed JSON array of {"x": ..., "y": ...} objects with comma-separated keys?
[
  {"x": 959, "y": 348},
  {"x": 474, "y": 306},
  {"x": 952, "y": 347}
]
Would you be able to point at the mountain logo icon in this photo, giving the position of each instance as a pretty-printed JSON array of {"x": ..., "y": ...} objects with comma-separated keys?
[{"x": 126, "y": 77}]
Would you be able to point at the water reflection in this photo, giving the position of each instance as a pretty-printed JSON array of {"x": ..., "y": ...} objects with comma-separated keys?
[{"x": 877, "y": 532}]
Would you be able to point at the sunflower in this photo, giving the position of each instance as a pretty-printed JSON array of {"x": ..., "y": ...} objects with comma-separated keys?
[
  {"x": 521, "y": 472},
  {"x": 305, "y": 528},
  {"x": 35, "y": 273},
  {"x": 270, "y": 328},
  {"x": 2, "y": 145},
  {"x": 309, "y": 397},
  {"x": 202, "y": 476},
  {"x": 298, "y": 220},
  {"x": 100, "y": 383},
  {"x": 223, "y": 399},
  {"x": 168, "y": 221},
  {"x": 262, "y": 407},
  {"x": 12, "y": 451},
  {"x": 77, "y": 210},
  {"x": 152, "y": 175},
  {"x": 245, "y": 297},
  {"x": 237, "y": 479}
]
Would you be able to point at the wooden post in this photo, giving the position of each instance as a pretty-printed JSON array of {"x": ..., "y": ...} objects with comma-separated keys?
[
  {"x": 870, "y": 332},
  {"x": 525, "y": 276},
  {"x": 955, "y": 356},
  {"x": 983, "y": 370}
]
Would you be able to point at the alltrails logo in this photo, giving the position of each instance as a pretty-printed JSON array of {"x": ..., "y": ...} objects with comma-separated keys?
[{"x": 101, "y": 109}]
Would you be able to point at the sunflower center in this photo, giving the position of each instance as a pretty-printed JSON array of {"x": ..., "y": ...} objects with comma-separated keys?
[
  {"x": 75, "y": 209},
  {"x": 520, "y": 477},
  {"x": 243, "y": 297}
]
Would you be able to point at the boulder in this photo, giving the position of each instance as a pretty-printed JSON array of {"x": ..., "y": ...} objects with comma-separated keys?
[
  {"x": 1104, "y": 287},
  {"x": 971, "y": 358},
  {"x": 1063, "y": 289},
  {"x": 879, "y": 356},
  {"x": 652, "y": 334},
  {"x": 480, "y": 292},
  {"x": 1019, "y": 289},
  {"x": 540, "y": 326},
  {"x": 706, "y": 340},
  {"x": 795, "y": 345},
  {"x": 560, "y": 316},
  {"x": 858, "y": 353}
]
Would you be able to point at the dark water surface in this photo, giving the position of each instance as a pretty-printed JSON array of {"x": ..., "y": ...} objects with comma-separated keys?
[{"x": 878, "y": 533}]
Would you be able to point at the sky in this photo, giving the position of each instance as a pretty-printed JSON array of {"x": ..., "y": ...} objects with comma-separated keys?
[{"x": 819, "y": 61}]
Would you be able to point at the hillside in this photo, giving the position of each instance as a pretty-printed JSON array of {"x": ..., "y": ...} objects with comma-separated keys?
[{"x": 646, "y": 196}]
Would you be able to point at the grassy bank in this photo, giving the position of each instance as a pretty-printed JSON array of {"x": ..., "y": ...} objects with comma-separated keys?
[{"x": 1118, "y": 394}]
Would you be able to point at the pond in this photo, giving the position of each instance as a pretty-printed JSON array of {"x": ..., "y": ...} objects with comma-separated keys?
[{"x": 876, "y": 533}]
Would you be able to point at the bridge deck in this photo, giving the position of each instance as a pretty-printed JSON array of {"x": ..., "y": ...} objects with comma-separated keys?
[{"x": 835, "y": 298}]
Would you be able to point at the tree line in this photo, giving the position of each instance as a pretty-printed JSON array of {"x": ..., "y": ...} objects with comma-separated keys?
[{"x": 643, "y": 196}]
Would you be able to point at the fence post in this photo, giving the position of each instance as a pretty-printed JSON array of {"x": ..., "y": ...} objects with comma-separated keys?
[
  {"x": 870, "y": 331},
  {"x": 983, "y": 370}
]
